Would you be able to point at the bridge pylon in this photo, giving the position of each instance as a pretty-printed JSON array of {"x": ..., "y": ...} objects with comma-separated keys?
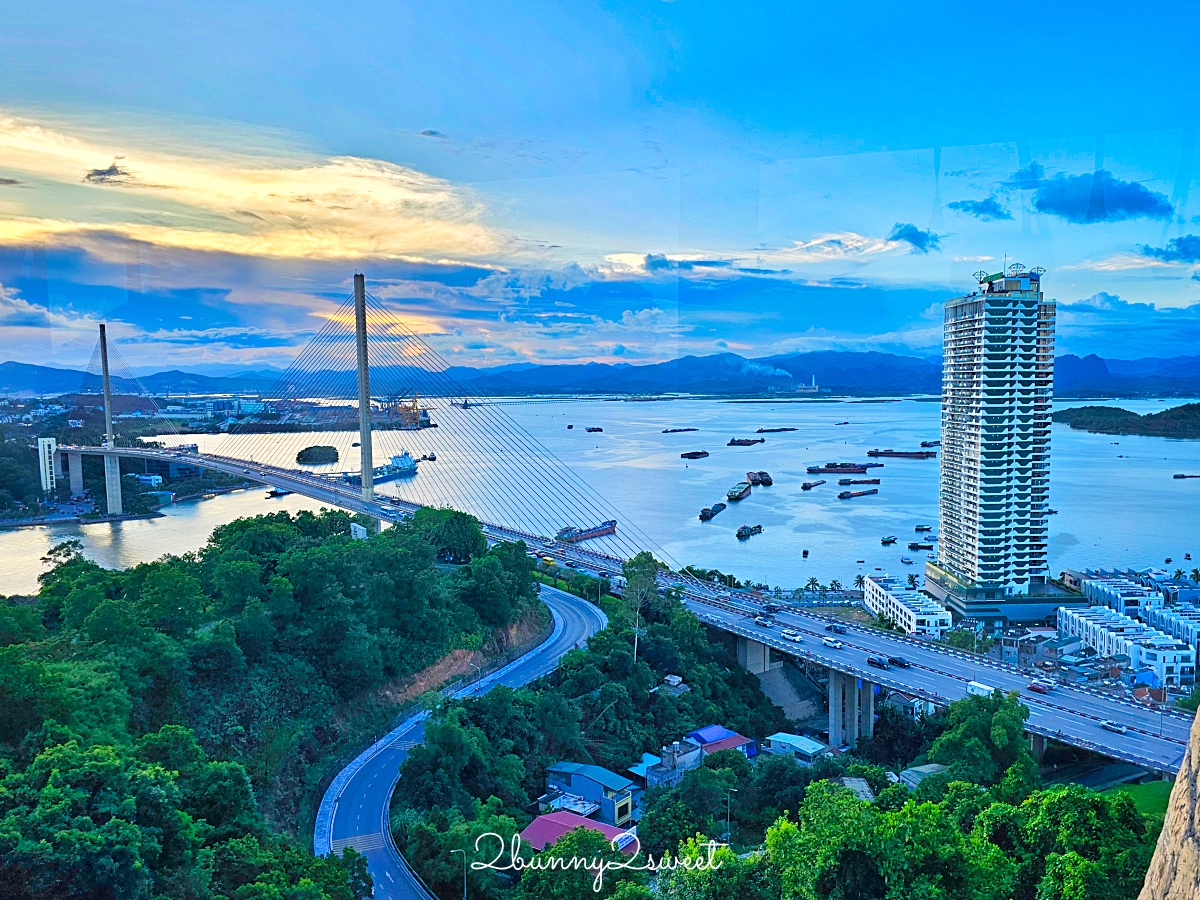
[
  {"x": 366, "y": 453},
  {"x": 112, "y": 463}
]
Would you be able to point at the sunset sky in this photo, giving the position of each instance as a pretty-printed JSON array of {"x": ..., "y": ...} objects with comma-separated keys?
[{"x": 618, "y": 181}]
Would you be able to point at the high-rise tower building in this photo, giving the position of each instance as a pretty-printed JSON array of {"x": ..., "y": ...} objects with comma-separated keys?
[{"x": 997, "y": 386}]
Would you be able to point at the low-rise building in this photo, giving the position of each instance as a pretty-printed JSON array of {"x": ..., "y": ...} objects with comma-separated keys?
[
  {"x": 546, "y": 829},
  {"x": 1119, "y": 592},
  {"x": 912, "y": 778},
  {"x": 1181, "y": 621},
  {"x": 804, "y": 750},
  {"x": 714, "y": 738},
  {"x": 913, "y": 611},
  {"x": 678, "y": 758},
  {"x": 595, "y": 784},
  {"x": 910, "y": 705},
  {"x": 1112, "y": 634}
]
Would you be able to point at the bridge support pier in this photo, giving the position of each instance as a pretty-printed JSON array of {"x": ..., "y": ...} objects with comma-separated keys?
[
  {"x": 75, "y": 470},
  {"x": 112, "y": 485},
  {"x": 755, "y": 656},
  {"x": 851, "y": 709},
  {"x": 1037, "y": 746}
]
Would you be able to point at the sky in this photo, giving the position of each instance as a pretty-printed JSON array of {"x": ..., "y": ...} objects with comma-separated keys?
[{"x": 530, "y": 182}]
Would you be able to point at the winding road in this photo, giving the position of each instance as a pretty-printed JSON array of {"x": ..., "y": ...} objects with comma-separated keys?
[{"x": 354, "y": 810}]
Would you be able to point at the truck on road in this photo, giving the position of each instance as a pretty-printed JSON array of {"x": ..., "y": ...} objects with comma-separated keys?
[{"x": 979, "y": 689}]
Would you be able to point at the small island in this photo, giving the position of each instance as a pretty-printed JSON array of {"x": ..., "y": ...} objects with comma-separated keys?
[
  {"x": 317, "y": 454},
  {"x": 1177, "y": 422}
]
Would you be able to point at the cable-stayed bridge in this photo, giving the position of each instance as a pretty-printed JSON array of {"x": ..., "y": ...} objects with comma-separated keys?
[{"x": 375, "y": 392}]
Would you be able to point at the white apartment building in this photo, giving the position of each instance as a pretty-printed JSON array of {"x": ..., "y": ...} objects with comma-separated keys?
[
  {"x": 1110, "y": 634},
  {"x": 1120, "y": 594},
  {"x": 46, "y": 447},
  {"x": 1181, "y": 622},
  {"x": 913, "y": 611},
  {"x": 997, "y": 383}
]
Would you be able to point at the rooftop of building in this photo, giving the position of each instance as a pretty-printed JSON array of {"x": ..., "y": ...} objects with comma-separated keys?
[
  {"x": 546, "y": 829},
  {"x": 598, "y": 774},
  {"x": 806, "y": 745},
  {"x": 710, "y": 733},
  {"x": 733, "y": 742}
]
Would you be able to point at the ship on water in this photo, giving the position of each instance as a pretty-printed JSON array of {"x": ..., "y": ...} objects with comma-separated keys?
[
  {"x": 694, "y": 454},
  {"x": 753, "y": 478},
  {"x": 904, "y": 454},
  {"x": 839, "y": 468},
  {"x": 889, "y": 539},
  {"x": 402, "y": 465},
  {"x": 766, "y": 479},
  {"x": 745, "y": 442},
  {"x": 573, "y": 535},
  {"x": 775, "y": 430},
  {"x": 678, "y": 430},
  {"x": 931, "y": 443},
  {"x": 848, "y": 495},
  {"x": 809, "y": 485},
  {"x": 746, "y": 531},
  {"x": 845, "y": 481},
  {"x": 709, "y": 511},
  {"x": 279, "y": 492},
  {"x": 738, "y": 491}
]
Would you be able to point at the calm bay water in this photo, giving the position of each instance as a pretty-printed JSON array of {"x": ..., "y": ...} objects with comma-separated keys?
[{"x": 1117, "y": 502}]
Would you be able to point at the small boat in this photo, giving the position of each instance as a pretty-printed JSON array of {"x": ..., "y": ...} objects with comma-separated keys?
[
  {"x": 1187, "y": 556},
  {"x": 569, "y": 427},
  {"x": 923, "y": 528},
  {"x": 1167, "y": 560},
  {"x": 931, "y": 443},
  {"x": 592, "y": 429},
  {"x": 805, "y": 554},
  {"x": 917, "y": 545},
  {"x": 745, "y": 442},
  {"x": 932, "y": 557},
  {"x": 890, "y": 539},
  {"x": 906, "y": 560},
  {"x": 746, "y": 531},
  {"x": 694, "y": 454},
  {"x": 809, "y": 485},
  {"x": 432, "y": 456},
  {"x": 356, "y": 444},
  {"x": 1052, "y": 512},
  {"x": 709, "y": 511},
  {"x": 1183, "y": 475},
  {"x": 279, "y": 492},
  {"x": 841, "y": 423},
  {"x": 766, "y": 479},
  {"x": 753, "y": 478}
]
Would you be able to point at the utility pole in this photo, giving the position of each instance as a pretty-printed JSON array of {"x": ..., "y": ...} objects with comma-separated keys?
[
  {"x": 464, "y": 854},
  {"x": 112, "y": 463},
  {"x": 364, "y": 391}
]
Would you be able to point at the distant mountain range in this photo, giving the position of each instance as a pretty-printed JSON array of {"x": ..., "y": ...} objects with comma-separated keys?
[{"x": 858, "y": 374}]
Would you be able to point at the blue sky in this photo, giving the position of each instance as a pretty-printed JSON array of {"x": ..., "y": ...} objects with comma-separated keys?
[{"x": 572, "y": 181}]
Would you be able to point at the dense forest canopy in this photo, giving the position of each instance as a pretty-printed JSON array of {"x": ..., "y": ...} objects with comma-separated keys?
[
  {"x": 159, "y": 726},
  {"x": 1176, "y": 422}
]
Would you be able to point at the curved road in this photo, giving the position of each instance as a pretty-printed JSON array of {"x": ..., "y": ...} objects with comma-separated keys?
[{"x": 354, "y": 809}]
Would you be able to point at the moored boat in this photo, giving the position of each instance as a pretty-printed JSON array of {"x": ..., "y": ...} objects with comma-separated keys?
[
  {"x": 809, "y": 485},
  {"x": 753, "y": 478},
  {"x": 746, "y": 531},
  {"x": 738, "y": 491},
  {"x": 850, "y": 495},
  {"x": 890, "y": 539},
  {"x": 766, "y": 479},
  {"x": 573, "y": 535},
  {"x": 694, "y": 454},
  {"x": 745, "y": 442}
]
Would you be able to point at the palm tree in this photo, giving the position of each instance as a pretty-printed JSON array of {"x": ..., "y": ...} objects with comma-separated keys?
[
  {"x": 860, "y": 581},
  {"x": 835, "y": 585},
  {"x": 912, "y": 581},
  {"x": 1196, "y": 575},
  {"x": 813, "y": 584},
  {"x": 1178, "y": 574}
]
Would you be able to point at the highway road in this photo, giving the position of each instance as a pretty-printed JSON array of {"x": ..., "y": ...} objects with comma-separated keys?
[
  {"x": 1155, "y": 740},
  {"x": 354, "y": 810}
]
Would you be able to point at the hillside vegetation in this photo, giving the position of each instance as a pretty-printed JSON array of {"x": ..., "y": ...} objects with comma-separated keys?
[
  {"x": 1176, "y": 422},
  {"x": 160, "y": 726}
]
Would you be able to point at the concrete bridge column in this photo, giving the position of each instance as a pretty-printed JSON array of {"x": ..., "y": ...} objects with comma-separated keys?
[
  {"x": 753, "y": 656},
  {"x": 112, "y": 484},
  {"x": 1037, "y": 746},
  {"x": 851, "y": 709},
  {"x": 75, "y": 470},
  {"x": 866, "y": 708}
]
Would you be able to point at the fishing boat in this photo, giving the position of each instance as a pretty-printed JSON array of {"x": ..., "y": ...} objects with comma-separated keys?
[{"x": 890, "y": 539}]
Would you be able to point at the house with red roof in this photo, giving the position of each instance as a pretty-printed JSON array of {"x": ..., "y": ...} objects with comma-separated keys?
[{"x": 548, "y": 828}]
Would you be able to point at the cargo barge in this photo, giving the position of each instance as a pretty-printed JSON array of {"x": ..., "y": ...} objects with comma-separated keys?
[
  {"x": 774, "y": 430},
  {"x": 849, "y": 495},
  {"x": 745, "y": 442},
  {"x": 904, "y": 454},
  {"x": 573, "y": 535},
  {"x": 845, "y": 481},
  {"x": 678, "y": 430},
  {"x": 738, "y": 491},
  {"x": 809, "y": 485},
  {"x": 694, "y": 454},
  {"x": 744, "y": 533},
  {"x": 709, "y": 511}
]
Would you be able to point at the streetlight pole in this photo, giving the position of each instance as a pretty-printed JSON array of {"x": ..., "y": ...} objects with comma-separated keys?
[
  {"x": 728, "y": 800},
  {"x": 464, "y": 856}
]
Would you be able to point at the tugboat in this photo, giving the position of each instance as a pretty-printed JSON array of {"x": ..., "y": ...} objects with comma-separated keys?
[
  {"x": 709, "y": 511},
  {"x": 738, "y": 491},
  {"x": 890, "y": 539},
  {"x": 766, "y": 479},
  {"x": 753, "y": 478},
  {"x": 744, "y": 533},
  {"x": 809, "y": 485}
]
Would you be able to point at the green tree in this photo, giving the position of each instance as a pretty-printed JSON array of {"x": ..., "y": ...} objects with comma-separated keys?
[{"x": 573, "y": 883}]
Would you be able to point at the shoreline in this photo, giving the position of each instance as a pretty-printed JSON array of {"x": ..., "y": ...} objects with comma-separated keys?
[{"x": 76, "y": 520}]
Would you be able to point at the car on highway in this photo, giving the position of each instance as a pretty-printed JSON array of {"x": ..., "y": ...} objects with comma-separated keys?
[
  {"x": 763, "y": 621},
  {"x": 1114, "y": 727},
  {"x": 832, "y": 644},
  {"x": 1039, "y": 687},
  {"x": 770, "y": 608},
  {"x": 792, "y": 635},
  {"x": 878, "y": 662},
  {"x": 899, "y": 662},
  {"x": 836, "y": 628}
]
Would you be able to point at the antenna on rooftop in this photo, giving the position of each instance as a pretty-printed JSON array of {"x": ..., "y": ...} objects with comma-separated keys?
[
  {"x": 1016, "y": 269},
  {"x": 980, "y": 276},
  {"x": 1038, "y": 271}
]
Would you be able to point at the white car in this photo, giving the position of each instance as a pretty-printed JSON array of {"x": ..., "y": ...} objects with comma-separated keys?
[
  {"x": 791, "y": 635},
  {"x": 1114, "y": 727},
  {"x": 832, "y": 644}
]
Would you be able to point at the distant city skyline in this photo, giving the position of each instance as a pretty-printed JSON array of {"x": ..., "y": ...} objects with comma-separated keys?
[{"x": 637, "y": 186}]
